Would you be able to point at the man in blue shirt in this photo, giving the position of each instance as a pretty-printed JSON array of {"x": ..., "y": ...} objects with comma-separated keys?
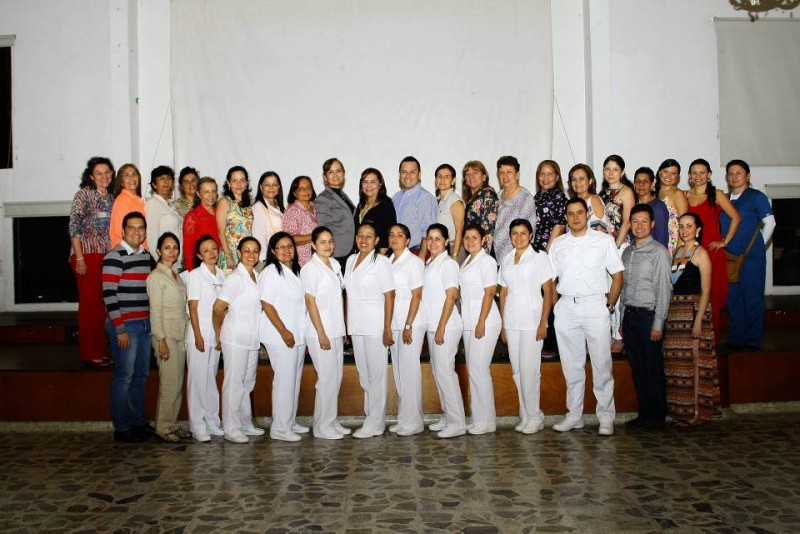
[{"x": 415, "y": 206}]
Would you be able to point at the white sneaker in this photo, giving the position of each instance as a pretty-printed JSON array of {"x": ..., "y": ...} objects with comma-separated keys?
[
  {"x": 394, "y": 428},
  {"x": 477, "y": 431},
  {"x": 254, "y": 431},
  {"x": 341, "y": 429},
  {"x": 451, "y": 433},
  {"x": 532, "y": 428},
  {"x": 404, "y": 432},
  {"x": 363, "y": 433},
  {"x": 237, "y": 438},
  {"x": 202, "y": 438},
  {"x": 520, "y": 426},
  {"x": 215, "y": 431},
  {"x": 284, "y": 436},
  {"x": 438, "y": 426},
  {"x": 568, "y": 424},
  {"x": 297, "y": 428},
  {"x": 606, "y": 428},
  {"x": 325, "y": 435}
]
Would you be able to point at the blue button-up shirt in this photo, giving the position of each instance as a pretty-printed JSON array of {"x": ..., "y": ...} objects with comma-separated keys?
[{"x": 416, "y": 208}]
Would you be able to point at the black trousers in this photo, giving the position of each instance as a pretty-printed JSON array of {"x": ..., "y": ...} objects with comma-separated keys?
[{"x": 647, "y": 364}]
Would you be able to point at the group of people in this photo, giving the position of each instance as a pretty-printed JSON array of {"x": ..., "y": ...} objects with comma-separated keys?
[{"x": 234, "y": 274}]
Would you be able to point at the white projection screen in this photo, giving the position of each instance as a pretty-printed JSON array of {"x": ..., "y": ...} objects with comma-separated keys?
[
  {"x": 759, "y": 84},
  {"x": 285, "y": 84}
]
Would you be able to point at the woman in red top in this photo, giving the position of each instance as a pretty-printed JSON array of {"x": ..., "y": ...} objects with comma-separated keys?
[
  {"x": 708, "y": 202},
  {"x": 201, "y": 219}
]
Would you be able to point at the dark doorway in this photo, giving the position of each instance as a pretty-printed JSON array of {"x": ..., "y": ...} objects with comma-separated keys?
[{"x": 41, "y": 268}]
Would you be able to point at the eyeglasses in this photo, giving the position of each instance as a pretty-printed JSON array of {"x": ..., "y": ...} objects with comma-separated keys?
[{"x": 285, "y": 247}]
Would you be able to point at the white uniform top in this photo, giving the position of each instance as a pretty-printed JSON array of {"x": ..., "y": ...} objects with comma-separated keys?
[
  {"x": 284, "y": 292},
  {"x": 240, "y": 327},
  {"x": 203, "y": 287},
  {"x": 325, "y": 285},
  {"x": 441, "y": 274},
  {"x": 523, "y": 309},
  {"x": 582, "y": 264},
  {"x": 366, "y": 286},
  {"x": 475, "y": 276},
  {"x": 409, "y": 271}
]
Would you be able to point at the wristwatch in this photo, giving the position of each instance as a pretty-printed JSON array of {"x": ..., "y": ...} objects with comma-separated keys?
[
  {"x": 611, "y": 308},
  {"x": 407, "y": 327}
]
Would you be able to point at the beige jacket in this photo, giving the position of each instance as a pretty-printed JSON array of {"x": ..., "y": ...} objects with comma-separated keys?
[{"x": 167, "y": 293}]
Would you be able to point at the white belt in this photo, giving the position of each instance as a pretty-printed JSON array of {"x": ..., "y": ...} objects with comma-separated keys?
[{"x": 587, "y": 298}]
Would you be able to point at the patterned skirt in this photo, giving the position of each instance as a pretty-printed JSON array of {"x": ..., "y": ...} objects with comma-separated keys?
[{"x": 692, "y": 377}]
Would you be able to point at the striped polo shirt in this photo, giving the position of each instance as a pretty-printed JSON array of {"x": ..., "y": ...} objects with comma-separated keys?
[{"x": 125, "y": 284}]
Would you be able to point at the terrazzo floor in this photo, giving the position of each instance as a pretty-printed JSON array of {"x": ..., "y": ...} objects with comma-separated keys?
[{"x": 737, "y": 474}]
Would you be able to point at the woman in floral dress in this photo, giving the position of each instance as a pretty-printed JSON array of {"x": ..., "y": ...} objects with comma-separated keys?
[
  {"x": 234, "y": 215},
  {"x": 480, "y": 199},
  {"x": 669, "y": 176}
]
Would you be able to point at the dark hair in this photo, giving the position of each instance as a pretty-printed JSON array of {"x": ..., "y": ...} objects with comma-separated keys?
[
  {"x": 410, "y": 159},
  {"x": 621, "y": 162},
  {"x": 711, "y": 191},
  {"x": 243, "y": 241},
  {"x": 637, "y": 208},
  {"x": 315, "y": 233},
  {"x": 466, "y": 192},
  {"x": 665, "y": 165},
  {"x": 442, "y": 230},
  {"x": 698, "y": 222},
  {"x": 260, "y": 196},
  {"x": 326, "y": 166},
  {"x": 382, "y": 194},
  {"x": 645, "y": 170},
  {"x": 375, "y": 230},
  {"x": 549, "y": 162},
  {"x": 577, "y": 200},
  {"x": 117, "y": 183},
  {"x": 133, "y": 215},
  {"x": 403, "y": 228},
  {"x": 164, "y": 237},
  {"x": 196, "y": 261},
  {"x": 589, "y": 174},
  {"x": 86, "y": 176},
  {"x": 508, "y": 160},
  {"x": 272, "y": 259},
  {"x": 452, "y": 171},
  {"x": 521, "y": 222},
  {"x": 226, "y": 188},
  {"x": 161, "y": 170},
  {"x": 186, "y": 171},
  {"x": 295, "y": 184},
  {"x": 477, "y": 227},
  {"x": 740, "y": 162}
]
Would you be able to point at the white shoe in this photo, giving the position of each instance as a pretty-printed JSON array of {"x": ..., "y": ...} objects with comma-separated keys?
[
  {"x": 520, "y": 426},
  {"x": 363, "y": 433},
  {"x": 325, "y": 435},
  {"x": 284, "y": 436},
  {"x": 451, "y": 433},
  {"x": 532, "y": 428},
  {"x": 404, "y": 432},
  {"x": 202, "y": 438},
  {"x": 254, "y": 431},
  {"x": 238, "y": 438},
  {"x": 438, "y": 426},
  {"x": 477, "y": 431},
  {"x": 341, "y": 429},
  {"x": 568, "y": 424},
  {"x": 394, "y": 428},
  {"x": 297, "y": 428},
  {"x": 606, "y": 428},
  {"x": 215, "y": 431}
]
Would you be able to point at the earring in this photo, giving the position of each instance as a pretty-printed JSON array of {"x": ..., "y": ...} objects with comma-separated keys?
[{"x": 697, "y": 235}]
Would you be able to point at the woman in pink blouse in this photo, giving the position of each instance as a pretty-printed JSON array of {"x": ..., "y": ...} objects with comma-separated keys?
[{"x": 300, "y": 218}]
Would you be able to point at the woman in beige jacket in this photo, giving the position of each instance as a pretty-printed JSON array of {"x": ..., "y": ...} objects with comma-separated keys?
[{"x": 168, "y": 320}]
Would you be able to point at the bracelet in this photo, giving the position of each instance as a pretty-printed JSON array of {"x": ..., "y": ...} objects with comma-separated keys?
[{"x": 78, "y": 259}]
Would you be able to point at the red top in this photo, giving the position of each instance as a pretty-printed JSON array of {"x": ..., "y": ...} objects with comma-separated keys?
[{"x": 197, "y": 223}]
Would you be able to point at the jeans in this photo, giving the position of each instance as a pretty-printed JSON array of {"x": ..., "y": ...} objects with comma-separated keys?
[{"x": 131, "y": 368}]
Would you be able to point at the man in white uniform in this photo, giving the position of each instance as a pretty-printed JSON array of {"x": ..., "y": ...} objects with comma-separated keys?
[{"x": 582, "y": 259}]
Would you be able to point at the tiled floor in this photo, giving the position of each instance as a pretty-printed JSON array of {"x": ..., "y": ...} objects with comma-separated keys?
[{"x": 738, "y": 474}]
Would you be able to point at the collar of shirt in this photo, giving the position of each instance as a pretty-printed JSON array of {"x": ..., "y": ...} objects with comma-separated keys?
[
  {"x": 644, "y": 243},
  {"x": 129, "y": 249}
]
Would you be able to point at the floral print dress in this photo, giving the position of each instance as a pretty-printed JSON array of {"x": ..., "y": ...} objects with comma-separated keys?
[
  {"x": 238, "y": 224},
  {"x": 613, "y": 203},
  {"x": 482, "y": 210},
  {"x": 551, "y": 208}
]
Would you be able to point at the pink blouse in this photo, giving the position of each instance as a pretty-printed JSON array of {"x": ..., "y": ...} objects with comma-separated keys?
[{"x": 297, "y": 220}]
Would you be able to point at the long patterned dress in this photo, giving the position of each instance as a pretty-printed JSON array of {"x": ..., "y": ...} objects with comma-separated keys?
[
  {"x": 719, "y": 269},
  {"x": 482, "y": 210},
  {"x": 672, "y": 225},
  {"x": 238, "y": 224},
  {"x": 614, "y": 211},
  {"x": 551, "y": 208},
  {"x": 679, "y": 355}
]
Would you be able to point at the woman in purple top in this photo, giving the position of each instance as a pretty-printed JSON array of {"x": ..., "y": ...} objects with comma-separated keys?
[
  {"x": 516, "y": 202},
  {"x": 551, "y": 204}
]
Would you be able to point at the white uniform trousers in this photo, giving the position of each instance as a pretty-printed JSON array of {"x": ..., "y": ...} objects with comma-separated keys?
[
  {"x": 408, "y": 378},
  {"x": 287, "y": 369},
  {"x": 170, "y": 385},
  {"x": 479, "y": 354},
  {"x": 443, "y": 362},
  {"x": 237, "y": 384},
  {"x": 525, "y": 354},
  {"x": 201, "y": 388},
  {"x": 370, "y": 356},
  {"x": 328, "y": 365},
  {"x": 578, "y": 325}
]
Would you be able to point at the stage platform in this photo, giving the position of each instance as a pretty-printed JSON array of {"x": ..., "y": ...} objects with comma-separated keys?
[{"x": 42, "y": 379}]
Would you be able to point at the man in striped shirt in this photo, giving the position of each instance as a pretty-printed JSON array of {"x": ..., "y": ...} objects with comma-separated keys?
[{"x": 125, "y": 271}]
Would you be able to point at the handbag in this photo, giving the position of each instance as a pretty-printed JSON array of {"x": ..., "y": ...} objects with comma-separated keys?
[{"x": 735, "y": 262}]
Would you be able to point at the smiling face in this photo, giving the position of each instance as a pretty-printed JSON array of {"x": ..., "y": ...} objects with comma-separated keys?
[
  {"x": 508, "y": 177},
  {"x": 398, "y": 240},
  {"x": 436, "y": 242},
  {"x": 669, "y": 176},
  {"x": 208, "y": 194},
  {"x": 324, "y": 245},
  {"x": 409, "y": 174},
  {"x": 209, "y": 252},
  {"x": 163, "y": 186},
  {"x": 284, "y": 251},
  {"x": 474, "y": 179},
  {"x": 304, "y": 191},
  {"x": 135, "y": 232},
  {"x": 520, "y": 237},
  {"x": 249, "y": 253},
  {"x": 641, "y": 224},
  {"x": 169, "y": 251},
  {"x": 371, "y": 186},
  {"x": 699, "y": 175},
  {"x": 687, "y": 229},
  {"x": 270, "y": 189},
  {"x": 580, "y": 183},
  {"x": 237, "y": 183},
  {"x": 188, "y": 185},
  {"x": 445, "y": 180},
  {"x": 366, "y": 240},
  {"x": 102, "y": 176},
  {"x": 472, "y": 241},
  {"x": 547, "y": 177},
  {"x": 130, "y": 179},
  {"x": 334, "y": 178}
]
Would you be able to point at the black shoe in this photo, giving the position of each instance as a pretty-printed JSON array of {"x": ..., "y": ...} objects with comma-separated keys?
[
  {"x": 146, "y": 430},
  {"x": 638, "y": 422},
  {"x": 654, "y": 424},
  {"x": 128, "y": 436}
]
